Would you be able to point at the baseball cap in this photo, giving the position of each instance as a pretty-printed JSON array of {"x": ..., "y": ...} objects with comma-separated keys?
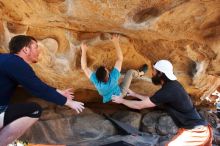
[{"x": 165, "y": 67}]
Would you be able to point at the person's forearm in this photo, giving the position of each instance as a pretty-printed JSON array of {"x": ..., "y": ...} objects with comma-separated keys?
[
  {"x": 118, "y": 51},
  {"x": 132, "y": 104},
  {"x": 142, "y": 97},
  {"x": 83, "y": 60},
  {"x": 68, "y": 103}
]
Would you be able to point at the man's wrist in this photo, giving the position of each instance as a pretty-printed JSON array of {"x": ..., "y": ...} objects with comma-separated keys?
[
  {"x": 135, "y": 94},
  {"x": 59, "y": 91},
  {"x": 84, "y": 51},
  {"x": 122, "y": 100},
  {"x": 67, "y": 102}
]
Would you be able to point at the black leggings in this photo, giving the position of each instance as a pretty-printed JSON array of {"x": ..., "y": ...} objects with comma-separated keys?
[{"x": 16, "y": 111}]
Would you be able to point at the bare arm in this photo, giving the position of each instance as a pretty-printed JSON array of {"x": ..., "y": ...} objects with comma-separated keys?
[
  {"x": 134, "y": 104},
  {"x": 132, "y": 93},
  {"x": 115, "y": 40},
  {"x": 84, "y": 66}
]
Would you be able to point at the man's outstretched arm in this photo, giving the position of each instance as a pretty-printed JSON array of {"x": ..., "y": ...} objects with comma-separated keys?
[
  {"x": 84, "y": 66},
  {"x": 115, "y": 40},
  {"x": 133, "y": 94},
  {"x": 134, "y": 104}
]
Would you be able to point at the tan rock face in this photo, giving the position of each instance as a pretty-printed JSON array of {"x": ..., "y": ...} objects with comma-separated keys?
[{"x": 187, "y": 32}]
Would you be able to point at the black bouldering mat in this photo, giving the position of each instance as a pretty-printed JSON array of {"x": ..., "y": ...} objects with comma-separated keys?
[{"x": 118, "y": 143}]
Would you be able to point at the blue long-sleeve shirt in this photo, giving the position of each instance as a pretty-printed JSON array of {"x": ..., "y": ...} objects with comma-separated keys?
[{"x": 15, "y": 71}]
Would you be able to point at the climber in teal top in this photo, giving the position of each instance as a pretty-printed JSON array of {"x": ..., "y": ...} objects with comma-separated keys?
[
  {"x": 107, "y": 89},
  {"x": 107, "y": 82}
]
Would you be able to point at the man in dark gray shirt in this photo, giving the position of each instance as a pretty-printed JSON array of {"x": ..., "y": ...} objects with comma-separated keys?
[{"x": 193, "y": 130}]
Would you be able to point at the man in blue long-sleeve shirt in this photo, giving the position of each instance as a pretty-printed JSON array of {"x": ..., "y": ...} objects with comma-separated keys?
[{"x": 15, "y": 70}]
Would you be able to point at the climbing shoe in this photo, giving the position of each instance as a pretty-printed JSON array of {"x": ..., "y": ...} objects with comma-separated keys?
[{"x": 143, "y": 68}]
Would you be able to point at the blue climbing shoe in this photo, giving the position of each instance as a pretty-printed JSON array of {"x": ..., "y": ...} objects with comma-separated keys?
[{"x": 143, "y": 68}]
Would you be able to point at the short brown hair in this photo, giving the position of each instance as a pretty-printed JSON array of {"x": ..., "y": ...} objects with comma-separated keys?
[{"x": 20, "y": 41}]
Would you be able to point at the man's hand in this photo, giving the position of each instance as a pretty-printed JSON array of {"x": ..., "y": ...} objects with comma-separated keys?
[
  {"x": 77, "y": 106},
  {"x": 115, "y": 38},
  {"x": 67, "y": 93},
  {"x": 84, "y": 47},
  {"x": 131, "y": 93},
  {"x": 117, "y": 99}
]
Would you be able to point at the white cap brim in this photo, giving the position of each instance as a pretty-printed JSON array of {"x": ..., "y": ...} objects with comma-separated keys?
[{"x": 171, "y": 76}]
